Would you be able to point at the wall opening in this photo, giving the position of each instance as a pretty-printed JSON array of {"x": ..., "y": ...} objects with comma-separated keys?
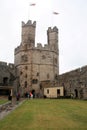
[
  {"x": 58, "y": 92},
  {"x": 25, "y": 84},
  {"x": 47, "y": 91},
  {"x": 76, "y": 93},
  {"x": 5, "y": 81}
]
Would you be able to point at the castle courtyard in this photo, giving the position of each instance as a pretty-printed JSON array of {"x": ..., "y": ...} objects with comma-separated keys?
[{"x": 40, "y": 114}]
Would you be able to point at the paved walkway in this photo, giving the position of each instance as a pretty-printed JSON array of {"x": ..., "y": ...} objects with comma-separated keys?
[{"x": 7, "y": 108}]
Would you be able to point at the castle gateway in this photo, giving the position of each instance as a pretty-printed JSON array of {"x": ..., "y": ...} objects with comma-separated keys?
[{"x": 36, "y": 64}]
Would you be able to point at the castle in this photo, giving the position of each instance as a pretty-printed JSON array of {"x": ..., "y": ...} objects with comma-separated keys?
[
  {"x": 36, "y": 64},
  {"x": 36, "y": 68}
]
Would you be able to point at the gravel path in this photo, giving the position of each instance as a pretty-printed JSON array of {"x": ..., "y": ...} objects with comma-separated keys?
[{"x": 7, "y": 108}]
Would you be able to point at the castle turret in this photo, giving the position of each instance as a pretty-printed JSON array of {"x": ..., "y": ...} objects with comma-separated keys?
[
  {"x": 28, "y": 33},
  {"x": 53, "y": 37}
]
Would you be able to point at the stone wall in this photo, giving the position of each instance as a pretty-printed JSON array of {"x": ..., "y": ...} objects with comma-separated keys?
[
  {"x": 39, "y": 64},
  {"x": 75, "y": 82},
  {"x": 7, "y": 77}
]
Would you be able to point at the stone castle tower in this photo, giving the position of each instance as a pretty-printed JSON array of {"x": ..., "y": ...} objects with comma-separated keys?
[{"x": 36, "y": 64}]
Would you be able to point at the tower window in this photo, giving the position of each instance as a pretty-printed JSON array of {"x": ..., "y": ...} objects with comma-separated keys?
[
  {"x": 5, "y": 80},
  {"x": 56, "y": 76},
  {"x": 25, "y": 84},
  {"x": 26, "y": 76},
  {"x": 37, "y": 73},
  {"x": 47, "y": 91},
  {"x": 58, "y": 91},
  {"x": 24, "y": 58},
  {"x": 48, "y": 76},
  {"x": 35, "y": 81},
  {"x": 21, "y": 72},
  {"x": 40, "y": 86},
  {"x": 55, "y": 60},
  {"x": 43, "y": 57},
  {"x": 26, "y": 67}
]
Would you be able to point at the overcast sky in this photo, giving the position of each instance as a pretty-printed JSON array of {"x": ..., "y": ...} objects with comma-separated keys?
[{"x": 71, "y": 22}]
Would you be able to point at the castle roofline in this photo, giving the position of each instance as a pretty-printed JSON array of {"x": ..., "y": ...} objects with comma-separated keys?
[
  {"x": 54, "y": 29},
  {"x": 29, "y": 23}
]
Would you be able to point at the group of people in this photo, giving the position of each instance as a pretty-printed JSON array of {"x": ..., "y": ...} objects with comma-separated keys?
[
  {"x": 28, "y": 95},
  {"x": 10, "y": 95}
]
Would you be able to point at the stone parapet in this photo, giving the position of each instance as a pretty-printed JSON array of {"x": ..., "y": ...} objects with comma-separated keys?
[
  {"x": 54, "y": 29},
  {"x": 38, "y": 47},
  {"x": 5, "y": 64},
  {"x": 29, "y": 23}
]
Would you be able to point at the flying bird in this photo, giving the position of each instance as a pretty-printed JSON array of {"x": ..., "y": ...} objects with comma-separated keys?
[
  {"x": 33, "y": 4},
  {"x": 56, "y": 13}
]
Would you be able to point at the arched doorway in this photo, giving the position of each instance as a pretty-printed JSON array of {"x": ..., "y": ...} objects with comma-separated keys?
[{"x": 76, "y": 93}]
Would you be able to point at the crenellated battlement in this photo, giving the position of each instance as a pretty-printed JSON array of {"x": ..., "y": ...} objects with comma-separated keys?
[
  {"x": 5, "y": 64},
  {"x": 29, "y": 23},
  {"x": 52, "y": 37},
  {"x": 45, "y": 47},
  {"x": 28, "y": 32},
  {"x": 28, "y": 38},
  {"x": 38, "y": 47},
  {"x": 17, "y": 49},
  {"x": 54, "y": 29}
]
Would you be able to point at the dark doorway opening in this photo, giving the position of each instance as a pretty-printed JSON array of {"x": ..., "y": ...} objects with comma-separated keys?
[
  {"x": 76, "y": 93},
  {"x": 4, "y": 92},
  {"x": 58, "y": 92},
  {"x": 5, "y": 81}
]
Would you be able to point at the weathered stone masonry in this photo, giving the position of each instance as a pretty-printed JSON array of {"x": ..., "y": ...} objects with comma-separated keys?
[
  {"x": 36, "y": 68},
  {"x": 7, "y": 77},
  {"x": 75, "y": 83},
  {"x": 36, "y": 64}
]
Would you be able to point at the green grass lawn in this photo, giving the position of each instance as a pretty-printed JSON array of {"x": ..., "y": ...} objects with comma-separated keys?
[
  {"x": 2, "y": 101},
  {"x": 47, "y": 114}
]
